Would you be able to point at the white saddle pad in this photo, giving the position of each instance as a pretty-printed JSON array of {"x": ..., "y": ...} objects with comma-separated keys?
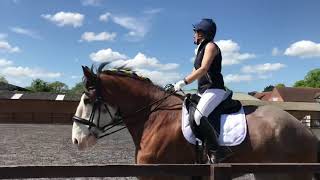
[{"x": 233, "y": 128}]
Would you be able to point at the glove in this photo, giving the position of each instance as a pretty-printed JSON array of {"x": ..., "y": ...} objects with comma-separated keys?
[{"x": 179, "y": 85}]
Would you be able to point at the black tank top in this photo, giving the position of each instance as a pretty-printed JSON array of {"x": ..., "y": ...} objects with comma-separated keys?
[{"x": 213, "y": 79}]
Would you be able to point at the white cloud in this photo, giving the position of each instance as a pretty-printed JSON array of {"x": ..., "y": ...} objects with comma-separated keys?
[
  {"x": 230, "y": 53},
  {"x": 262, "y": 68},
  {"x": 4, "y": 62},
  {"x": 6, "y": 47},
  {"x": 153, "y": 11},
  {"x": 137, "y": 28},
  {"x": 142, "y": 61},
  {"x": 276, "y": 52},
  {"x": 26, "y": 72},
  {"x": 106, "y": 55},
  {"x": 23, "y": 76},
  {"x": 230, "y": 78},
  {"x": 91, "y": 2},
  {"x": 65, "y": 18},
  {"x": 304, "y": 49},
  {"x": 146, "y": 66},
  {"x": 157, "y": 77},
  {"x": 3, "y": 36},
  {"x": 105, "y": 17},
  {"x": 75, "y": 77},
  {"x": 26, "y": 32},
  {"x": 103, "y": 36}
]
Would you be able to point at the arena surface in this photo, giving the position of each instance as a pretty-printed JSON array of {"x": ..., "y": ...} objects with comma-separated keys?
[{"x": 39, "y": 144}]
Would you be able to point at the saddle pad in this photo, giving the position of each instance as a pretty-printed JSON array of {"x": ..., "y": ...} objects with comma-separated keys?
[{"x": 233, "y": 128}]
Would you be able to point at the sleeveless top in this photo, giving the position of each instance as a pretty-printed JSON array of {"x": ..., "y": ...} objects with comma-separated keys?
[{"x": 213, "y": 79}]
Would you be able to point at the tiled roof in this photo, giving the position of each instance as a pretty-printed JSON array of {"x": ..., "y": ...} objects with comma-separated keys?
[
  {"x": 265, "y": 96},
  {"x": 6, "y": 94},
  {"x": 290, "y": 94}
]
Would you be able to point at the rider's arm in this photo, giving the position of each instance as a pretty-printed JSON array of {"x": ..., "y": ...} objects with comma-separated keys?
[{"x": 209, "y": 54}]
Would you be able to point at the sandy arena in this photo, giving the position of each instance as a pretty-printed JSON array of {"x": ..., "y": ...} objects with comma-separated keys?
[{"x": 34, "y": 144}]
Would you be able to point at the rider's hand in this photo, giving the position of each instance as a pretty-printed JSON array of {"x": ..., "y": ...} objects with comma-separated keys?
[{"x": 179, "y": 85}]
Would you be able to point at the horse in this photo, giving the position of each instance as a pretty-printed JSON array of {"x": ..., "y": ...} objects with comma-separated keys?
[{"x": 153, "y": 118}]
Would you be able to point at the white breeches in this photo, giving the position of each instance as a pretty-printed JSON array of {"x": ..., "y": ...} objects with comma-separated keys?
[{"x": 210, "y": 99}]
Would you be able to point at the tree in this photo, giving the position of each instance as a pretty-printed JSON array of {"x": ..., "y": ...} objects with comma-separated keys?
[
  {"x": 312, "y": 79},
  {"x": 58, "y": 87},
  {"x": 77, "y": 89},
  {"x": 280, "y": 85},
  {"x": 3, "y": 79},
  {"x": 39, "y": 85},
  {"x": 268, "y": 88}
]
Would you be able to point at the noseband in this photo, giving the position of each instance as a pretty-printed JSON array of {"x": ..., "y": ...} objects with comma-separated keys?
[{"x": 105, "y": 130}]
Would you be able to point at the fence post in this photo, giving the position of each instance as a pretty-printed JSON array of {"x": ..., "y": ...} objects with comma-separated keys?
[{"x": 220, "y": 172}]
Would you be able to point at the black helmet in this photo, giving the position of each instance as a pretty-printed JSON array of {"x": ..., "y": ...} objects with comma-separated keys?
[{"x": 208, "y": 27}]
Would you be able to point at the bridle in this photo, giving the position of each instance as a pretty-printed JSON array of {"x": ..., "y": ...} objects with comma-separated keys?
[
  {"x": 105, "y": 130},
  {"x": 116, "y": 119}
]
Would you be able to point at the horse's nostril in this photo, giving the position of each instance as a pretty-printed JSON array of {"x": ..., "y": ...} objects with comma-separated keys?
[{"x": 75, "y": 141}]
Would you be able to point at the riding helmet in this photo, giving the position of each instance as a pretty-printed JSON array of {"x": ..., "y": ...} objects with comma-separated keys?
[{"x": 207, "y": 26}]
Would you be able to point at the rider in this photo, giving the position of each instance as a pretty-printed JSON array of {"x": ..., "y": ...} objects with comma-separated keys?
[{"x": 207, "y": 70}]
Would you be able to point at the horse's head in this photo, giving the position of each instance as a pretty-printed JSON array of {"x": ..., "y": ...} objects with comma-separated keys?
[{"x": 93, "y": 115}]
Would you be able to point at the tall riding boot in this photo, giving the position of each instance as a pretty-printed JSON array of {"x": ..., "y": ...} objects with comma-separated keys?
[{"x": 210, "y": 137}]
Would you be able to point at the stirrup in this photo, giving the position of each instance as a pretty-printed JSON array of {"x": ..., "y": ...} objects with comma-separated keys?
[{"x": 215, "y": 157}]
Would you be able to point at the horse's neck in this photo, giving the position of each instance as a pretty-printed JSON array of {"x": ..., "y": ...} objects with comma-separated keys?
[{"x": 142, "y": 104}]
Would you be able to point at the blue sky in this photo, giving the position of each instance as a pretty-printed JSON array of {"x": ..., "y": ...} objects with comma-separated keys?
[{"x": 263, "y": 42}]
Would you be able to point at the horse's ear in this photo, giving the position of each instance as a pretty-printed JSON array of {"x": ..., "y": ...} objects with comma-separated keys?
[{"x": 87, "y": 72}]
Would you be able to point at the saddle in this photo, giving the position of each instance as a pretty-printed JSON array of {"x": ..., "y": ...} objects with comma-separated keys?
[{"x": 227, "y": 106}]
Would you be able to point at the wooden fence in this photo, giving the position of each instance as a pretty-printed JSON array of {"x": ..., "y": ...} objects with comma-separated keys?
[{"x": 215, "y": 172}]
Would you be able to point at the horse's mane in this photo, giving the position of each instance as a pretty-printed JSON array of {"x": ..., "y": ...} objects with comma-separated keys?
[{"x": 125, "y": 71}]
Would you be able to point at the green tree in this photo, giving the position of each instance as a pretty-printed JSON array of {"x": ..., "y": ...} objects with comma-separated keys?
[
  {"x": 280, "y": 85},
  {"x": 3, "y": 79},
  {"x": 39, "y": 85},
  {"x": 268, "y": 88},
  {"x": 312, "y": 79},
  {"x": 58, "y": 87},
  {"x": 77, "y": 89}
]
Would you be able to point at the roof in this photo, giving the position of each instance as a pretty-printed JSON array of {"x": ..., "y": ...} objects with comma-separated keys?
[
  {"x": 290, "y": 94},
  {"x": 39, "y": 96},
  {"x": 236, "y": 95},
  {"x": 10, "y": 87},
  {"x": 244, "y": 96},
  {"x": 288, "y": 106},
  {"x": 265, "y": 96}
]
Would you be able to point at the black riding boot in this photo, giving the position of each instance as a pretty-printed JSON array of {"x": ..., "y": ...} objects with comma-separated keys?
[{"x": 210, "y": 137}]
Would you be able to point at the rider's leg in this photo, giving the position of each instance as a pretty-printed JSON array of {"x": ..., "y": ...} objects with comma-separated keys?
[{"x": 210, "y": 99}]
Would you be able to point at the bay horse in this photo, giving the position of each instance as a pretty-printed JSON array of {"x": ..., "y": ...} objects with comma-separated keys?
[{"x": 153, "y": 118}]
